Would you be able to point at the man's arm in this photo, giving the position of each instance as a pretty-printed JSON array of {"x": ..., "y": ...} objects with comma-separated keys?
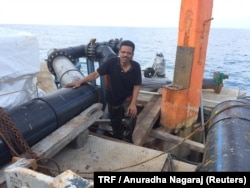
[
  {"x": 132, "y": 109},
  {"x": 92, "y": 76}
]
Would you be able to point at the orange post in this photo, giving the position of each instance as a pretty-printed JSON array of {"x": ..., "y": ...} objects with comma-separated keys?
[{"x": 181, "y": 99}]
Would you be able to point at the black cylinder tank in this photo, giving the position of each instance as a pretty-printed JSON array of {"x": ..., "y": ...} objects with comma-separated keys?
[
  {"x": 38, "y": 117},
  {"x": 227, "y": 145}
]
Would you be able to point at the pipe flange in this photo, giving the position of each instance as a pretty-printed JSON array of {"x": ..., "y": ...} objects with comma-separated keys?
[
  {"x": 91, "y": 47},
  {"x": 55, "y": 54}
]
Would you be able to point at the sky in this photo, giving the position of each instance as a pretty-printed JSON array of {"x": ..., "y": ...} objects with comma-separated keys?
[{"x": 133, "y": 13}]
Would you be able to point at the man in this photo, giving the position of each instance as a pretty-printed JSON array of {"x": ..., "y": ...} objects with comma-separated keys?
[{"x": 124, "y": 84}]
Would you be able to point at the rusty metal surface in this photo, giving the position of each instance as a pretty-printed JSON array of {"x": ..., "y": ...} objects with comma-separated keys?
[
  {"x": 183, "y": 67},
  {"x": 100, "y": 154}
]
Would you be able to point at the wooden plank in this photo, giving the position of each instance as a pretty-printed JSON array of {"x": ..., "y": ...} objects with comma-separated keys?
[
  {"x": 146, "y": 120},
  {"x": 105, "y": 121},
  {"x": 101, "y": 154},
  {"x": 57, "y": 140},
  {"x": 180, "y": 166},
  {"x": 149, "y": 92},
  {"x": 196, "y": 146},
  {"x": 211, "y": 99},
  {"x": 145, "y": 96}
]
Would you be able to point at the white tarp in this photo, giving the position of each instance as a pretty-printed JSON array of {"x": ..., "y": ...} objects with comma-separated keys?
[{"x": 19, "y": 65}]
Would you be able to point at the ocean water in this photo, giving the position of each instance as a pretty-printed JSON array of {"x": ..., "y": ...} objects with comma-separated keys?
[{"x": 228, "y": 49}]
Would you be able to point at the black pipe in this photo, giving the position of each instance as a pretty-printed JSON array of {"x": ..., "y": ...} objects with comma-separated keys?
[
  {"x": 95, "y": 51},
  {"x": 227, "y": 147},
  {"x": 76, "y": 51},
  {"x": 103, "y": 53},
  {"x": 39, "y": 117}
]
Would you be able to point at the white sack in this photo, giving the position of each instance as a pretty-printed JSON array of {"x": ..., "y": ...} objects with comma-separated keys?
[{"x": 19, "y": 65}]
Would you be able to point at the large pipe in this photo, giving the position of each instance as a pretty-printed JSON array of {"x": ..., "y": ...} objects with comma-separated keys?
[
  {"x": 227, "y": 145},
  {"x": 94, "y": 51},
  {"x": 39, "y": 117},
  {"x": 71, "y": 53},
  {"x": 61, "y": 62},
  {"x": 65, "y": 70}
]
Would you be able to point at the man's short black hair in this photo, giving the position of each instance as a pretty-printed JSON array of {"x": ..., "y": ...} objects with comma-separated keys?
[{"x": 128, "y": 43}]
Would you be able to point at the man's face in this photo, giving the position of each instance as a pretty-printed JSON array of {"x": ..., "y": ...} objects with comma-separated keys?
[{"x": 126, "y": 54}]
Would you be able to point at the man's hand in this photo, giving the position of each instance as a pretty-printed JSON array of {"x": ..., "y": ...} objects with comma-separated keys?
[
  {"x": 75, "y": 84},
  {"x": 132, "y": 110}
]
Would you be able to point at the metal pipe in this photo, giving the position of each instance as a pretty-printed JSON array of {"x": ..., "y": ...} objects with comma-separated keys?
[
  {"x": 65, "y": 70},
  {"x": 39, "y": 117},
  {"x": 215, "y": 83},
  {"x": 93, "y": 51},
  {"x": 227, "y": 145}
]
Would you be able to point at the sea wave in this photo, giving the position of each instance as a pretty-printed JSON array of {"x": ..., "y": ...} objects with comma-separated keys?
[{"x": 228, "y": 49}]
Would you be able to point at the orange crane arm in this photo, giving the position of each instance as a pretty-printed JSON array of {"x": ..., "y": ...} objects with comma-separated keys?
[{"x": 181, "y": 99}]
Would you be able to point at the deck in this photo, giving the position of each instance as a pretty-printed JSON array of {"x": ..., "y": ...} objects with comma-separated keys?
[{"x": 70, "y": 144}]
